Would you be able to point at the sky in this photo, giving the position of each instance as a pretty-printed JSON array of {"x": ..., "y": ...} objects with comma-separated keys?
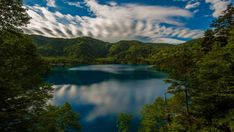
[{"x": 157, "y": 21}]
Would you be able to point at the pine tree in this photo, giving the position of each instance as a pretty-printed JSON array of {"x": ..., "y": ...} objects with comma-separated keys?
[
  {"x": 12, "y": 15},
  {"x": 220, "y": 28},
  {"x": 124, "y": 122}
]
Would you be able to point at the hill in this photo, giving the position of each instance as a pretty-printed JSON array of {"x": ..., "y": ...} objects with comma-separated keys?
[{"x": 86, "y": 50}]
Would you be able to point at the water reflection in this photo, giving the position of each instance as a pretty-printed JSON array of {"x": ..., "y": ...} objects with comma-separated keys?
[
  {"x": 100, "y": 92},
  {"x": 98, "y": 73}
]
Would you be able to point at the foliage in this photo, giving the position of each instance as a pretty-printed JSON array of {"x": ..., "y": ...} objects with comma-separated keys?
[
  {"x": 215, "y": 78},
  {"x": 85, "y": 50},
  {"x": 220, "y": 29},
  {"x": 208, "y": 41},
  {"x": 12, "y": 15},
  {"x": 55, "y": 119},
  {"x": 124, "y": 122},
  {"x": 21, "y": 70},
  {"x": 153, "y": 116},
  {"x": 24, "y": 96}
]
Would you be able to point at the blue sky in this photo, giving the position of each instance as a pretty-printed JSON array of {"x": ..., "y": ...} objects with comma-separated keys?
[{"x": 159, "y": 21}]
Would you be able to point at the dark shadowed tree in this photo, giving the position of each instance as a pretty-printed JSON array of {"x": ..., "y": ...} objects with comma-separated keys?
[
  {"x": 54, "y": 119},
  {"x": 21, "y": 72},
  {"x": 213, "y": 88},
  {"x": 12, "y": 15},
  {"x": 124, "y": 122},
  {"x": 153, "y": 117},
  {"x": 208, "y": 41},
  {"x": 223, "y": 24},
  {"x": 23, "y": 95},
  {"x": 220, "y": 28}
]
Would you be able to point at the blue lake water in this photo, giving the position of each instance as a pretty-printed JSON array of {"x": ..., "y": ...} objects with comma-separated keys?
[{"x": 100, "y": 92}]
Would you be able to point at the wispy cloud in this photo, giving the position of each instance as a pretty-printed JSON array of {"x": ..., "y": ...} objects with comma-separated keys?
[
  {"x": 131, "y": 21},
  {"x": 77, "y": 4},
  {"x": 192, "y": 5},
  {"x": 51, "y": 3},
  {"x": 218, "y": 6},
  {"x": 138, "y": 12}
]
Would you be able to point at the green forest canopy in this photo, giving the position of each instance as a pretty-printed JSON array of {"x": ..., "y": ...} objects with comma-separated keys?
[{"x": 86, "y": 50}]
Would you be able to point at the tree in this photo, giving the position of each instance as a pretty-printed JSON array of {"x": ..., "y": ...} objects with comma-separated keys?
[
  {"x": 24, "y": 95},
  {"x": 12, "y": 15},
  {"x": 213, "y": 85},
  {"x": 21, "y": 72},
  {"x": 208, "y": 41},
  {"x": 223, "y": 24},
  {"x": 153, "y": 117},
  {"x": 208, "y": 77},
  {"x": 220, "y": 30},
  {"x": 124, "y": 122},
  {"x": 183, "y": 58},
  {"x": 55, "y": 119}
]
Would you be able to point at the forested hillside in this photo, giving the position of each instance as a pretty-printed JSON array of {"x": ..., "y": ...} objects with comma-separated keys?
[{"x": 86, "y": 50}]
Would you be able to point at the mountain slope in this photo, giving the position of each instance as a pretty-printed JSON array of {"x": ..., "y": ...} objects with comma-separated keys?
[{"x": 86, "y": 50}]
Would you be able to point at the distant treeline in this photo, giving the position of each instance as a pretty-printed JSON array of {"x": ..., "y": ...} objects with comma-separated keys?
[{"x": 86, "y": 50}]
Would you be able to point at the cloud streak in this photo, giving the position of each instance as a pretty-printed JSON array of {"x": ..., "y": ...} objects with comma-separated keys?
[
  {"x": 130, "y": 21},
  {"x": 51, "y": 3},
  {"x": 77, "y": 4},
  {"x": 138, "y": 12},
  {"x": 192, "y": 5}
]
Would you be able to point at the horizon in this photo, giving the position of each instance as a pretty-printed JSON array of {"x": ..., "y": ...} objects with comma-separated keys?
[
  {"x": 154, "y": 21},
  {"x": 130, "y": 40}
]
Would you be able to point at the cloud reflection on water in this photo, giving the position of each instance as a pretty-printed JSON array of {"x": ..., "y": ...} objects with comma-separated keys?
[
  {"x": 117, "y": 69},
  {"x": 112, "y": 96},
  {"x": 100, "y": 92}
]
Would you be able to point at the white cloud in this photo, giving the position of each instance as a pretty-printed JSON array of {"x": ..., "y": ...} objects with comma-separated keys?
[
  {"x": 192, "y": 5},
  {"x": 128, "y": 22},
  {"x": 138, "y": 12},
  {"x": 112, "y": 3},
  {"x": 77, "y": 4},
  {"x": 218, "y": 6},
  {"x": 169, "y": 40},
  {"x": 51, "y": 3}
]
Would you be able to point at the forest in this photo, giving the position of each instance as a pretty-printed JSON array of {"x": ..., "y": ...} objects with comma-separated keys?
[
  {"x": 73, "y": 51},
  {"x": 201, "y": 74}
]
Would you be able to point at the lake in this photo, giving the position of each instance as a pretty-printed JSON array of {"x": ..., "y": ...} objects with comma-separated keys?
[{"x": 100, "y": 92}]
